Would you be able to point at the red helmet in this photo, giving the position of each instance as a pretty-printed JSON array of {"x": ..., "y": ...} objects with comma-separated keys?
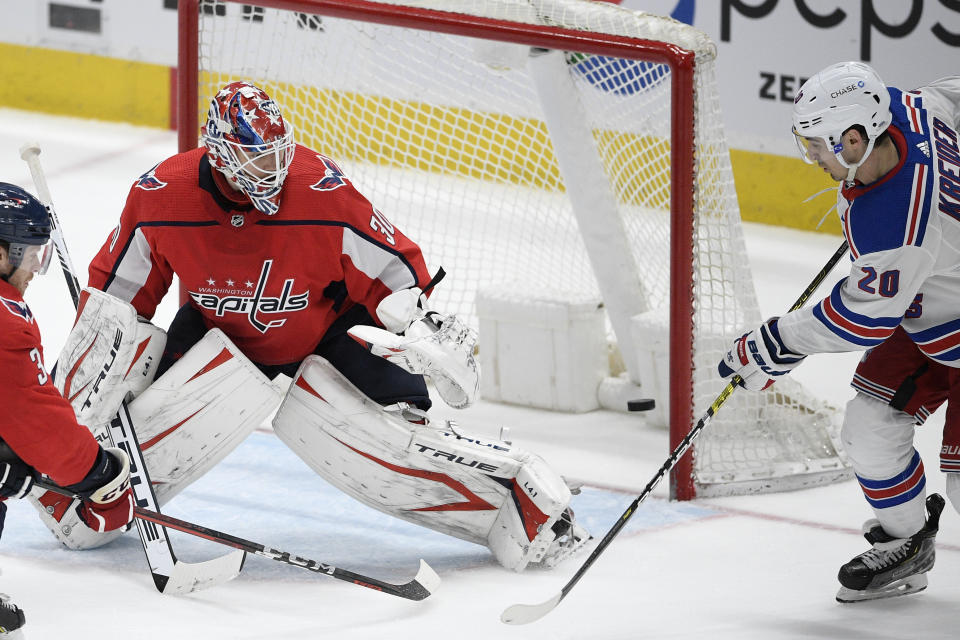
[{"x": 250, "y": 143}]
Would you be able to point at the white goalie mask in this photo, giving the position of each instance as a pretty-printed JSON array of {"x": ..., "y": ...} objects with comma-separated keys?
[
  {"x": 837, "y": 98},
  {"x": 250, "y": 143}
]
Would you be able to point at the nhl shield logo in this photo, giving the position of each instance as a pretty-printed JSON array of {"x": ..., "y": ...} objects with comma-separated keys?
[{"x": 237, "y": 220}]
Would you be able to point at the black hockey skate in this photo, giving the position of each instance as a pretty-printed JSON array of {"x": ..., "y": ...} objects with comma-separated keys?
[
  {"x": 11, "y": 618},
  {"x": 894, "y": 566}
]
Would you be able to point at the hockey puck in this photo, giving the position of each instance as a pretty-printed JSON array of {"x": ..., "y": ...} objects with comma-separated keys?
[{"x": 644, "y": 404}]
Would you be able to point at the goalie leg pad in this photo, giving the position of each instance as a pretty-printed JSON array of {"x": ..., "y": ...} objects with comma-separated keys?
[
  {"x": 479, "y": 490},
  {"x": 187, "y": 421},
  {"x": 150, "y": 343},
  {"x": 107, "y": 355},
  {"x": 199, "y": 411},
  {"x": 526, "y": 534},
  {"x": 59, "y": 514}
]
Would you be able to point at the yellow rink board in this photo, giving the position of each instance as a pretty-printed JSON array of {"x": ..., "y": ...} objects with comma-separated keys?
[{"x": 770, "y": 188}]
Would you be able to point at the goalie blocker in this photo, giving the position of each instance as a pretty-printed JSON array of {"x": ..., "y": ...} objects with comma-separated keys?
[{"x": 486, "y": 492}]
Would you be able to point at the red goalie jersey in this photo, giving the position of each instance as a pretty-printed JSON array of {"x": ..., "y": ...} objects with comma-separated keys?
[{"x": 273, "y": 284}]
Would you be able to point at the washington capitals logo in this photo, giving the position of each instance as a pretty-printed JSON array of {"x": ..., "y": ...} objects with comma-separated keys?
[
  {"x": 253, "y": 302},
  {"x": 149, "y": 182},
  {"x": 17, "y": 308},
  {"x": 333, "y": 177}
]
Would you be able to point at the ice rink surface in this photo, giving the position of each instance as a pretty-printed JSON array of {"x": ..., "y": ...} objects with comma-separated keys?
[{"x": 745, "y": 568}]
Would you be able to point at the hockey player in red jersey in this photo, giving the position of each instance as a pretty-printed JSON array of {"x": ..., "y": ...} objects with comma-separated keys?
[
  {"x": 895, "y": 155},
  {"x": 40, "y": 434},
  {"x": 290, "y": 270}
]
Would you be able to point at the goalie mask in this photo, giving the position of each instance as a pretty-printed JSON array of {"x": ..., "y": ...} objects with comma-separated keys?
[
  {"x": 841, "y": 96},
  {"x": 25, "y": 229},
  {"x": 250, "y": 143}
]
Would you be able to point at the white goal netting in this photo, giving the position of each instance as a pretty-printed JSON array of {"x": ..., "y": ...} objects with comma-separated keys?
[{"x": 462, "y": 143}]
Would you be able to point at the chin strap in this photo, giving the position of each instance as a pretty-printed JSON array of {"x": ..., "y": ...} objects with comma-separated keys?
[{"x": 852, "y": 168}]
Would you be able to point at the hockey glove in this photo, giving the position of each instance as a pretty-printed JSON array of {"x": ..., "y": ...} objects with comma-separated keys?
[
  {"x": 402, "y": 308},
  {"x": 107, "y": 499},
  {"x": 759, "y": 358},
  {"x": 438, "y": 347},
  {"x": 16, "y": 479}
]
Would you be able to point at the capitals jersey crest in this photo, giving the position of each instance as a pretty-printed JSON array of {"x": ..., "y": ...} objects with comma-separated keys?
[
  {"x": 333, "y": 177},
  {"x": 149, "y": 181},
  {"x": 249, "y": 299},
  {"x": 17, "y": 308}
]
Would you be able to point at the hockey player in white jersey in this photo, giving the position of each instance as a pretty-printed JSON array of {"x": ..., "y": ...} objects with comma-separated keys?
[{"x": 895, "y": 154}]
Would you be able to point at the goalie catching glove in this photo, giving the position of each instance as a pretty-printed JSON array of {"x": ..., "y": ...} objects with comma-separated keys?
[
  {"x": 759, "y": 358},
  {"x": 439, "y": 347}
]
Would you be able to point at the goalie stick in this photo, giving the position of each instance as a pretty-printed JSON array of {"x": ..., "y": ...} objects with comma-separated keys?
[
  {"x": 420, "y": 587},
  {"x": 527, "y": 613},
  {"x": 170, "y": 575}
]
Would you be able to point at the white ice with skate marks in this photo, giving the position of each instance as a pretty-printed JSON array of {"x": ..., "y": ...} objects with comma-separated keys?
[
  {"x": 749, "y": 568},
  {"x": 264, "y": 493}
]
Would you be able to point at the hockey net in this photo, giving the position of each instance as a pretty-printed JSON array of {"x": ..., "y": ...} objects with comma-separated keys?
[{"x": 561, "y": 148}]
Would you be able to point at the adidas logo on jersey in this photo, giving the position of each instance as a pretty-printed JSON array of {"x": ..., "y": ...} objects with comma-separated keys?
[{"x": 924, "y": 147}]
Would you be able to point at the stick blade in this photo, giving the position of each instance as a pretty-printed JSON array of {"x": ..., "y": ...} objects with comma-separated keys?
[
  {"x": 423, "y": 584},
  {"x": 527, "y": 613},
  {"x": 196, "y": 576}
]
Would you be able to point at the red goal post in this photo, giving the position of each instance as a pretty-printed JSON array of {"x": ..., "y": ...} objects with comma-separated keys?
[{"x": 583, "y": 31}]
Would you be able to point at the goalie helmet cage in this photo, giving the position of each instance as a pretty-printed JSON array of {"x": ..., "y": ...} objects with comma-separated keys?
[{"x": 553, "y": 149}]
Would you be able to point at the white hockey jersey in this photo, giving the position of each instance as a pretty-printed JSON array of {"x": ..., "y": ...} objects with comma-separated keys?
[{"x": 904, "y": 237}]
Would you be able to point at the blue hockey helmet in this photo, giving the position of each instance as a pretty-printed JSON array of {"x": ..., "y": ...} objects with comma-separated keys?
[{"x": 25, "y": 228}]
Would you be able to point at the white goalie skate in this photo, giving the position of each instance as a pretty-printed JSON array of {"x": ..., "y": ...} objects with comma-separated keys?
[
  {"x": 570, "y": 538},
  {"x": 894, "y": 566}
]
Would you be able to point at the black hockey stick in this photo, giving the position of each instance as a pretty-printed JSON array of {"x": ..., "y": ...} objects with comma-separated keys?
[
  {"x": 169, "y": 574},
  {"x": 526, "y": 613},
  {"x": 420, "y": 587}
]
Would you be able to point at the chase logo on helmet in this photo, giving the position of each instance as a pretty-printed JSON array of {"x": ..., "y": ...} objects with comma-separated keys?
[
  {"x": 252, "y": 305},
  {"x": 846, "y": 89}
]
